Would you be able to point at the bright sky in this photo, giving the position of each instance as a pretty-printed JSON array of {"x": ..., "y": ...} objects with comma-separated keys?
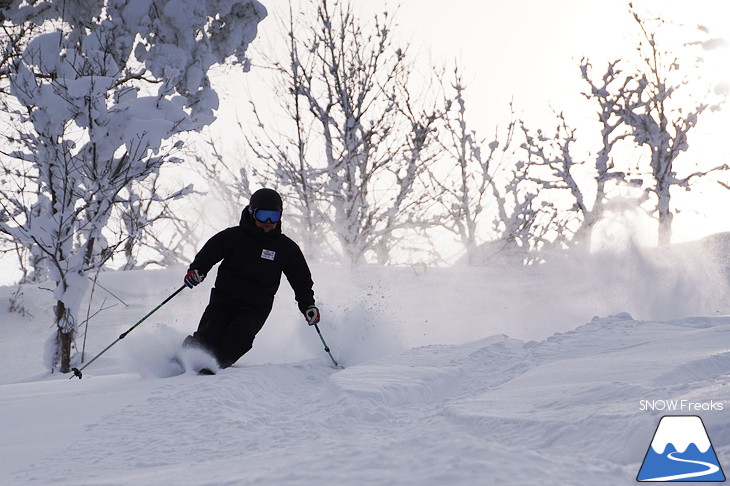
[{"x": 529, "y": 51}]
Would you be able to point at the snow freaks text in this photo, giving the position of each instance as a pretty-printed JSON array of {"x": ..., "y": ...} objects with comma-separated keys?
[{"x": 680, "y": 406}]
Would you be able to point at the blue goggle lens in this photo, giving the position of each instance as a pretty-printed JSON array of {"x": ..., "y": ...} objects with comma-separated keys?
[{"x": 264, "y": 215}]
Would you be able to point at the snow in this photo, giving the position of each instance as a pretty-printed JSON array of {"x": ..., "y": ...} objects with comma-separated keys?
[
  {"x": 441, "y": 384},
  {"x": 689, "y": 430}
]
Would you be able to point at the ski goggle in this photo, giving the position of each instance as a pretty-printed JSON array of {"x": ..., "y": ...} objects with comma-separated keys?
[{"x": 264, "y": 215}]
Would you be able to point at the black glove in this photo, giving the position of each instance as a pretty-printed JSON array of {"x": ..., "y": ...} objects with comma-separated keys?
[
  {"x": 193, "y": 278},
  {"x": 312, "y": 315}
]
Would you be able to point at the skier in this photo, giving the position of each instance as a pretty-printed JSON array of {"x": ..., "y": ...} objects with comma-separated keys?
[{"x": 254, "y": 254}]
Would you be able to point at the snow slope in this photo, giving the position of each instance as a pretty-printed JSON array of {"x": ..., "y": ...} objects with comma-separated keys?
[{"x": 473, "y": 406}]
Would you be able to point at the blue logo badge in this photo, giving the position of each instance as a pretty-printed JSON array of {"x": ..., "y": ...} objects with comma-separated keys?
[{"x": 680, "y": 451}]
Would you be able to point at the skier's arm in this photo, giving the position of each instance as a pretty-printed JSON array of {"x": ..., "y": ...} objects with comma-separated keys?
[
  {"x": 300, "y": 278},
  {"x": 212, "y": 252}
]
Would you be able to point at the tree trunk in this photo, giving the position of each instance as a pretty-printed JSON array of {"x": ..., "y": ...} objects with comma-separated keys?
[
  {"x": 64, "y": 338},
  {"x": 665, "y": 216},
  {"x": 665, "y": 227}
]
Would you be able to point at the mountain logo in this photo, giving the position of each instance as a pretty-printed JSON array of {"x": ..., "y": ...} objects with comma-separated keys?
[{"x": 680, "y": 451}]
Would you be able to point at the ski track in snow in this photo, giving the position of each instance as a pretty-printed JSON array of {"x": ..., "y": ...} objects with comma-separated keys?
[
  {"x": 494, "y": 411},
  {"x": 711, "y": 469}
]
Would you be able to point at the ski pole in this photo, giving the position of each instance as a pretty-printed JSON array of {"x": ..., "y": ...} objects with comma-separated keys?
[
  {"x": 326, "y": 348},
  {"x": 77, "y": 371}
]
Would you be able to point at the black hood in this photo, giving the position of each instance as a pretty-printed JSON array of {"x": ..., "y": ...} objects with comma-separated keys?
[{"x": 266, "y": 199}]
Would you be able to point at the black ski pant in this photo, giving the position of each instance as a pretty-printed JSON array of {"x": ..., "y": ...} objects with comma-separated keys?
[{"x": 226, "y": 332}]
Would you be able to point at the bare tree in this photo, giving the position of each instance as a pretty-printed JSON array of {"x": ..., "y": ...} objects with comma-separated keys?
[
  {"x": 141, "y": 207},
  {"x": 360, "y": 140},
  {"x": 88, "y": 132},
  {"x": 642, "y": 106},
  {"x": 287, "y": 153},
  {"x": 487, "y": 179},
  {"x": 659, "y": 109},
  {"x": 554, "y": 163},
  {"x": 230, "y": 182},
  {"x": 469, "y": 186}
]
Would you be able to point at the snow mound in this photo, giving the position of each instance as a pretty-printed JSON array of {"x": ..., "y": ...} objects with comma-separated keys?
[
  {"x": 396, "y": 385},
  {"x": 497, "y": 409}
]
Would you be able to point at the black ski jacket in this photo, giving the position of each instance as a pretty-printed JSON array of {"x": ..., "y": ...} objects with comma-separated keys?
[{"x": 252, "y": 264}]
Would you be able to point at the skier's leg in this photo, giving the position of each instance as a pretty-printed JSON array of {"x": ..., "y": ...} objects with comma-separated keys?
[
  {"x": 240, "y": 334},
  {"x": 211, "y": 335}
]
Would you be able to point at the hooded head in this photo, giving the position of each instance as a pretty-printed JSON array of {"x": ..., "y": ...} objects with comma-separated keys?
[
  {"x": 264, "y": 211},
  {"x": 266, "y": 199}
]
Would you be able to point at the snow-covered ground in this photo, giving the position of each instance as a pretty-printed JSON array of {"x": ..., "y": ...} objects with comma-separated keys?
[{"x": 452, "y": 377}]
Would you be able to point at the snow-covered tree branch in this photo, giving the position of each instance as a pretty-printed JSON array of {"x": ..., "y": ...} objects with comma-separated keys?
[{"x": 554, "y": 162}]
